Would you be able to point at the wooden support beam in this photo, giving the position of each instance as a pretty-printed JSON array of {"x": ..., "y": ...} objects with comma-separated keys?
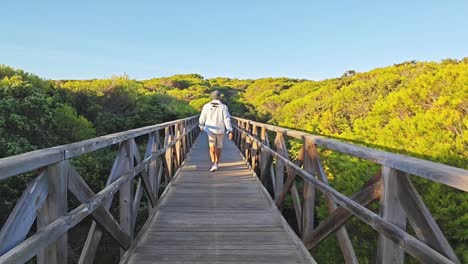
[
  {"x": 420, "y": 218},
  {"x": 106, "y": 221},
  {"x": 168, "y": 155},
  {"x": 147, "y": 186},
  {"x": 266, "y": 168},
  {"x": 297, "y": 206},
  {"x": 184, "y": 140},
  {"x": 178, "y": 145},
  {"x": 143, "y": 183},
  {"x": 55, "y": 206},
  {"x": 126, "y": 197},
  {"x": 291, "y": 177},
  {"x": 255, "y": 148},
  {"x": 247, "y": 144},
  {"x": 165, "y": 169},
  {"x": 95, "y": 232},
  {"x": 152, "y": 147},
  {"x": 366, "y": 195},
  {"x": 343, "y": 238},
  {"x": 22, "y": 217},
  {"x": 280, "y": 167},
  {"x": 392, "y": 211},
  {"x": 52, "y": 232},
  {"x": 136, "y": 203},
  {"x": 308, "y": 207}
]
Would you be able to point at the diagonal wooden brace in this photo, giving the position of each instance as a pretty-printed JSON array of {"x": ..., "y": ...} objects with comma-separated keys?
[
  {"x": 367, "y": 194},
  {"x": 106, "y": 221}
]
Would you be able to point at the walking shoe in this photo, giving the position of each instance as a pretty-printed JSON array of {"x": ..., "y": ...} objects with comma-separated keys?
[{"x": 214, "y": 167}]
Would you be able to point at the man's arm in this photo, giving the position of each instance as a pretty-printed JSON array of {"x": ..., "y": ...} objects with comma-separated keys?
[
  {"x": 202, "y": 119},
  {"x": 227, "y": 121}
]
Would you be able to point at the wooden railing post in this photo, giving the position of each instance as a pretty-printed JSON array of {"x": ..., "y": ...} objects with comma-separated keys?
[
  {"x": 151, "y": 149},
  {"x": 308, "y": 206},
  {"x": 264, "y": 156},
  {"x": 178, "y": 145},
  {"x": 54, "y": 207},
  {"x": 390, "y": 252},
  {"x": 247, "y": 142},
  {"x": 280, "y": 145},
  {"x": 126, "y": 196},
  {"x": 254, "y": 152},
  {"x": 95, "y": 232},
  {"x": 183, "y": 129},
  {"x": 168, "y": 154}
]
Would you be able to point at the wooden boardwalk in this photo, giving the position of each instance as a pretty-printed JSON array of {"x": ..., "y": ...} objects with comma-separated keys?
[{"x": 221, "y": 217}]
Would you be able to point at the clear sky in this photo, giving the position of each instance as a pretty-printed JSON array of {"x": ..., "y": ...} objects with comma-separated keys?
[{"x": 239, "y": 38}]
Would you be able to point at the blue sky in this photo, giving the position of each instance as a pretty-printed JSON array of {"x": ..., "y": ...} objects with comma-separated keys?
[{"x": 238, "y": 39}]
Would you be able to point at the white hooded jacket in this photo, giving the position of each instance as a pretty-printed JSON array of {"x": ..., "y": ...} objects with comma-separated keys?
[{"x": 215, "y": 118}]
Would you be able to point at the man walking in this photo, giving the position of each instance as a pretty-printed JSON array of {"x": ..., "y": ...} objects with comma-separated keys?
[{"x": 215, "y": 121}]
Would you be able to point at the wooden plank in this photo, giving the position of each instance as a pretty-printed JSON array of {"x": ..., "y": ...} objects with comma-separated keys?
[
  {"x": 451, "y": 176},
  {"x": 54, "y": 207},
  {"x": 366, "y": 195},
  {"x": 106, "y": 221},
  {"x": 22, "y": 217},
  {"x": 390, "y": 210},
  {"x": 420, "y": 218}
]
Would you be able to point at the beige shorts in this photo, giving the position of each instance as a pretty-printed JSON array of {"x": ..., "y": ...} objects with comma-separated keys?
[{"x": 215, "y": 140}]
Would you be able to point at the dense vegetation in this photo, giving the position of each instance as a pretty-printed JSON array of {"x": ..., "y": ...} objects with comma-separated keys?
[{"x": 415, "y": 108}]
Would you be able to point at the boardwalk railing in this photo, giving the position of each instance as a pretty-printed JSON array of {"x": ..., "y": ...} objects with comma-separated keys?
[
  {"x": 45, "y": 197},
  {"x": 399, "y": 199}
]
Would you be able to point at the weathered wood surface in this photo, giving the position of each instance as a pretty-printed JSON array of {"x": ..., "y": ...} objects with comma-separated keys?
[
  {"x": 55, "y": 206},
  {"x": 208, "y": 217},
  {"x": 451, "y": 176},
  {"x": 22, "y": 218},
  {"x": 390, "y": 252},
  {"x": 14, "y": 165},
  {"x": 83, "y": 193},
  {"x": 408, "y": 243}
]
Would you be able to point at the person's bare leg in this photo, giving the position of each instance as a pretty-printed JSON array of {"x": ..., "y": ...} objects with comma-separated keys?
[
  {"x": 218, "y": 155},
  {"x": 213, "y": 154}
]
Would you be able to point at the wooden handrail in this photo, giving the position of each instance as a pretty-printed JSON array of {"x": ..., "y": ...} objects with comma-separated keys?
[
  {"x": 14, "y": 165},
  {"x": 397, "y": 195},
  {"x": 448, "y": 175},
  {"x": 57, "y": 175}
]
